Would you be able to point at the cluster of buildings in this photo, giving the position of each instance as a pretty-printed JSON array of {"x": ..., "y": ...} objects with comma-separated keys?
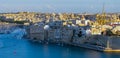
[
  {"x": 20, "y": 16},
  {"x": 38, "y": 17},
  {"x": 60, "y": 29},
  {"x": 87, "y": 30},
  {"x": 53, "y": 31},
  {"x": 97, "y": 22}
]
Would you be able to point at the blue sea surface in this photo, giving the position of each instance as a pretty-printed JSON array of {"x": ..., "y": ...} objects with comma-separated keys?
[{"x": 11, "y": 47}]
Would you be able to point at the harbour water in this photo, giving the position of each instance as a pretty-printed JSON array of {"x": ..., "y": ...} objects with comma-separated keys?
[{"x": 11, "y": 47}]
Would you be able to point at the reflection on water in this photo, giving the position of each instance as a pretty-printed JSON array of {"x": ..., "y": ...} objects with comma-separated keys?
[{"x": 21, "y": 48}]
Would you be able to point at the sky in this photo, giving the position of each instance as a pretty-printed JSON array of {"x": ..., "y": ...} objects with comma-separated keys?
[{"x": 75, "y": 6}]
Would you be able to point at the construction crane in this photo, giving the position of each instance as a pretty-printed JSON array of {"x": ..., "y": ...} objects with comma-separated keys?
[{"x": 101, "y": 18}]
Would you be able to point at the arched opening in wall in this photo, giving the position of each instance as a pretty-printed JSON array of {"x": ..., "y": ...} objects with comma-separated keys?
[
  {"x": 34, "y": 38},
  {"x": 102, "y": 33},
  {"x": 80, "y": 33}
]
